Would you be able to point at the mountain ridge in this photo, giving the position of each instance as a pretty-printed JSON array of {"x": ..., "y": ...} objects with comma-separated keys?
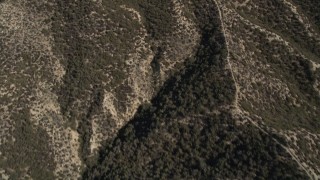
[{"x": 136, "y": 89}]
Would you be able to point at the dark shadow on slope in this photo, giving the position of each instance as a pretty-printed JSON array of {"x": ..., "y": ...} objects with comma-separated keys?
[{"x": 175, "y": 137}]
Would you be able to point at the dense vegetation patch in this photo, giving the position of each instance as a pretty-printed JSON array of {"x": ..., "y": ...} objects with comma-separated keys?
[{"x": 200, "y": 147}]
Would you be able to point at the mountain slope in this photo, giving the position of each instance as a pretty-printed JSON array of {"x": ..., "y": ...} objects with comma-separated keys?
[{"x": 159, "y": 89}]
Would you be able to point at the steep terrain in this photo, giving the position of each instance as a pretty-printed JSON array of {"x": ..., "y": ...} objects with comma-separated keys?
[
  {"x": 280, "y": 90},
  {"x": 106, "y": 89}
]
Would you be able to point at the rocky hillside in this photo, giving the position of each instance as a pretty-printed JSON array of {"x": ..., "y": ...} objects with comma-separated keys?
[{"x": 185, "y": 89}]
